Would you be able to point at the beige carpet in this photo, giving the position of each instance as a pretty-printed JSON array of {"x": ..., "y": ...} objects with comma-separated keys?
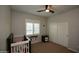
[{"x": 49, "y": 47}]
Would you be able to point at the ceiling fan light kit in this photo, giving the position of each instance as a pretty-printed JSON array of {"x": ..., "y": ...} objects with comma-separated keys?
[{"x": 48, "y": 8}]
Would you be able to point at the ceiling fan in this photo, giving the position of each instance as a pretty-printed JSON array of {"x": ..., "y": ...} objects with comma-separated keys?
[{"x": 48, "y": 8}]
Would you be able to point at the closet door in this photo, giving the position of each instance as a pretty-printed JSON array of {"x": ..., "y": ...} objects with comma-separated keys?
[
  {"x": 53, "y": 32},
  {"x": 62, "y": 34},
  {"x": 58, "y": 33}
]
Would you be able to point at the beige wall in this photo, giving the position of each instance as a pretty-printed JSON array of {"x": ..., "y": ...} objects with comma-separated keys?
[
  {"x": 72, "y": 18},
  {"x": 18, "y": 23},
  {"x": 4, "y": 26}
]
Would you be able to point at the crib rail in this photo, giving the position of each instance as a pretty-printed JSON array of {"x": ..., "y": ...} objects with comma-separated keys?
[
  {"x": 23, "y": 46},
  {"x": 20, "y": 47}
]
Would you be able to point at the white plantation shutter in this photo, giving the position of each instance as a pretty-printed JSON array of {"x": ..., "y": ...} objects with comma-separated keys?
[
  {"x": 36, "y": 28},
  {"x": 29, "y": 28},
  {"x": 32, "y": 27}
]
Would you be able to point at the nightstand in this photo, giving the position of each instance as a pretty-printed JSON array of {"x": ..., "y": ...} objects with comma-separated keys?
[{"x": 45, "y": 38}]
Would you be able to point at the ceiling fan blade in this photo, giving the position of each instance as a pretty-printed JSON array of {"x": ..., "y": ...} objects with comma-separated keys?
[
  {"x": 40, "y": 10},
  {"x": 51, "y": 11}
]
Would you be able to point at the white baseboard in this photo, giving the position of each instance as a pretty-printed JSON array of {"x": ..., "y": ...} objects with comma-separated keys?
[{"x": 73, "y": 50}]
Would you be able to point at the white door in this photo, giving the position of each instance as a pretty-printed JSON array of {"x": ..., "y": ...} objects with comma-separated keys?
[{"x": 59, "y": 33}]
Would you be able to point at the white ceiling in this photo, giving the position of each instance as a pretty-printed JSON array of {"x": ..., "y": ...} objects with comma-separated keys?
[{"x": 32, "y": 9}]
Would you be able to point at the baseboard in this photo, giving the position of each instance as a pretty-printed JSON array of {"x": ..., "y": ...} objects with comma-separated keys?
[{"x": 73, "y": 50}]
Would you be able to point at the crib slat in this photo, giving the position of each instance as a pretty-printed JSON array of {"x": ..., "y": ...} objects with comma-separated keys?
[
  {"x": 14, "y": 49},
  {"x": 21, "y": 48},
  {"x": 17, "y": 49},
  {"x": 28, "y": 47},
  {"x": 24, "y": 48}
]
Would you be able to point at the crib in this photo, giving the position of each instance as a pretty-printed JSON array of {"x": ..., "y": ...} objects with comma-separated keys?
[{"x": 21, "y": 46}]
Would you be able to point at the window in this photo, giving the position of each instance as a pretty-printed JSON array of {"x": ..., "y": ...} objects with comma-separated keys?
[
  {"x": 32, "y": 28},
  {"x": 29, "y": 28}
]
